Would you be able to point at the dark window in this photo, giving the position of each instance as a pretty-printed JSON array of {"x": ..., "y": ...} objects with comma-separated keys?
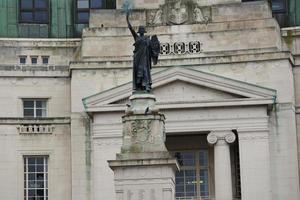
[
  {"x": 45, "y": 60},
  {"x": 83, "y": 8},
  {"x": 34, "y": 11},
  {"x": 22, "y": 60},
  {"x": 34, "y": 60}
]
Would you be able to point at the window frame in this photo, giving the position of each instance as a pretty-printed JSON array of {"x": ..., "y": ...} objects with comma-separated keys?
[
  {"x": 22, "y": 57},
  {"x": 27, "y": 174},
  {"x": 84, "y": 10},
  {"x": 34, "y": 10},
  {"x": 197, "y": 167},
  {"x": 45, "y": 57},
  {"x": 35, "y": 108},
  {"x": 34, "y": 57}
]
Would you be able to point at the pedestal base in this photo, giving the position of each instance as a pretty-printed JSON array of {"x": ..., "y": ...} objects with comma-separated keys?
[{"x": 145, "y": 179}]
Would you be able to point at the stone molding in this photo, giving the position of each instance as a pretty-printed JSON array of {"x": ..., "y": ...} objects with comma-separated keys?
[
  {"x": 46, "y": 120},
  {"x": 215, "y": 136},
  {"x": 189, "y": 75}
]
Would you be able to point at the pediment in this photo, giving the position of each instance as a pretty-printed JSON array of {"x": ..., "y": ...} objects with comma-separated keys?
[{"x": 184, "y": 85}]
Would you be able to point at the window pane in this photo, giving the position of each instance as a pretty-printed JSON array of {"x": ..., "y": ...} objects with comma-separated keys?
[
  {"x": 110, "y": 4},
  {"x": 40, "y": 176},
  {"x": 41, "y": 4},
  {"x": 203, "y": 158},
  {"x": 278, "y": 5},
  {"x": 40, "y": 192},
  {"x": 40, "y": 104},
  {"x": 83, "y": 4},
  {"x": 28, "y": 113},
  {"x": 26, "y": 4},
  {"x": 40, "y": 112},
  {"x": 83, "y": 17},
  {"x": 31, "y": 192},
  {"x": 41, "y": 16},
  {"x": 186, "y": 158},
  {"x": 26, "y": 16},
  {"x": 28, "y": 104},
  {"x": 97, "y": 4}
]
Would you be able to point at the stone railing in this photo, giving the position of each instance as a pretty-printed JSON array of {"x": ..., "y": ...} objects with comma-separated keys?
[
  {"x": 46, "y": 125},
  {"x": 35, "y": 129}
]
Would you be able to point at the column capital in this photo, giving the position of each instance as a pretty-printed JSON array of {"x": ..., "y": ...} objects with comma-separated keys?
[{"x": 226, "y": 136}]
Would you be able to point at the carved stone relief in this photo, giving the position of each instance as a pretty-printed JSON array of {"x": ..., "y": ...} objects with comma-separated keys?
[{"x": 178, "y": 12}]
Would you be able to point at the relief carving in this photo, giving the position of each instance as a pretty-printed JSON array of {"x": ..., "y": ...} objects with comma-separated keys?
[
  {"x": 141, "y": 131},
  {"x": 179, "y": 12}
]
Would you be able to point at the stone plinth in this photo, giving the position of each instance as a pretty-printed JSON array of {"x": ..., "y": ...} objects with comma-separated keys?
[{"x": 144, "y": 170}]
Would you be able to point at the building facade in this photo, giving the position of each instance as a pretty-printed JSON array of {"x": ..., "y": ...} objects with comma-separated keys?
[{"x": 226, "y": 67}]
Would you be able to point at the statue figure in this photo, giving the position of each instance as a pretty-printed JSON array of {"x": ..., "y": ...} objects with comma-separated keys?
[{"x": 145, "y": 51}]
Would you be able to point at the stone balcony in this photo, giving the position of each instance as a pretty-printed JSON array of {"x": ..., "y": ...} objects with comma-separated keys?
[{"x": 35, "y": 125}]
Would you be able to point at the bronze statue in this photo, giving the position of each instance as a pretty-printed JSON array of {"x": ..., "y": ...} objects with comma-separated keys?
[{"x": 145, "y": 51}]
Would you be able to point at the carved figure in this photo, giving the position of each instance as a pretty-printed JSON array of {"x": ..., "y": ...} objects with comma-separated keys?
[
  {"x": 146, "y": 50},
  {"x": 157, "y": 19},
  {"x": 178, "y": 12},
  {"x": 198, "y": 16}
]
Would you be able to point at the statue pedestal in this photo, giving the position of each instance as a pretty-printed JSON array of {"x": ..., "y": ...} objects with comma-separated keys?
[{"x": 144, "y": 170}]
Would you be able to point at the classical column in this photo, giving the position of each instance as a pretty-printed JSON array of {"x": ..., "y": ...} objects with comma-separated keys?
[{"x": 223, "y": 182}]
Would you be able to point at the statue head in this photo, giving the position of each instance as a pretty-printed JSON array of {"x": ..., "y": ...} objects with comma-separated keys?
[{"x": 141, "y": 30}]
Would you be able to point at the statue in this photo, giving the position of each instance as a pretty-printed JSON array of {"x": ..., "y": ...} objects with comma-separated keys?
[{"x": 146, "y": 51}]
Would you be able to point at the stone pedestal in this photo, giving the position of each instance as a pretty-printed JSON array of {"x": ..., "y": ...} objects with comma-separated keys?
[{"x": 144, "y": 170}]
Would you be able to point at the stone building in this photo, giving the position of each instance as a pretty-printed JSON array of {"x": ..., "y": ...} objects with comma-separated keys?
[{"x": 227, "y": 68}]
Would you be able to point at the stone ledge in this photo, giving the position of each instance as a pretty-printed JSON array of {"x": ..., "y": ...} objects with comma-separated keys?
[
  {"x": 38, "y": 121},
  {"x": 185, "y": 61},
  {"x": 143, "y": 162}
]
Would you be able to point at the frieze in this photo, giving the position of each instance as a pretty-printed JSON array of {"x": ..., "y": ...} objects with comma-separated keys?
[
  {"x": 181, "y": 48},
  {"x": 176, "y": 12}
]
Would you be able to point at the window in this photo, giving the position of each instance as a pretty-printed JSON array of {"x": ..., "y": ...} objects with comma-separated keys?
[
  {"x": 34, "y": 107},
  {"x": 35, "y": 177},
  {"x": 45, "y": 60},
  {"x": 34, "y": 11},
  {"x": 193, "y": 178},
  {"x": 34, "y": 60},
  {"x": 84, "y": 6},
  {"x": 23, "y": 60},
  {"x": 279, "y": 9}
]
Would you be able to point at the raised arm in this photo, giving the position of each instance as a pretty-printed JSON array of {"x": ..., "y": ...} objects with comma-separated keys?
[{"x": 130, "y": 27}]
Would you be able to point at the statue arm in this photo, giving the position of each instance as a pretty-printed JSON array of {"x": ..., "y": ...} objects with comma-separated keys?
[{"x": 134, "y": 34}]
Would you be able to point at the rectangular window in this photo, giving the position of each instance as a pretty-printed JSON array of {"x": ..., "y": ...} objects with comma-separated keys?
[
  {"x": 35, "y": 108},
  {"x": 34, "y": 60},
  {"x": 34, "y": 11},
  {"x": 83, "y": 8},
  {"x": 22, "y": 59},
  {"x": 45, "y": 60},
  {"x": 35, "y": 177},
  {"x": 192, "y": 181}
]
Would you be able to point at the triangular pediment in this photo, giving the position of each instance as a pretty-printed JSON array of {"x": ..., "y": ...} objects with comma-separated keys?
[{"x": 177, "y": 85}]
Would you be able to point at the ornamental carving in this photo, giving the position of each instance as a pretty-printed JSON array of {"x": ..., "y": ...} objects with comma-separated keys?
[
  {"x": 176, "y": 12},
  {"x": 180, "y": 48},
  {"x": 214, "y": 137},
  {"x": 141, "y": 131}
]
